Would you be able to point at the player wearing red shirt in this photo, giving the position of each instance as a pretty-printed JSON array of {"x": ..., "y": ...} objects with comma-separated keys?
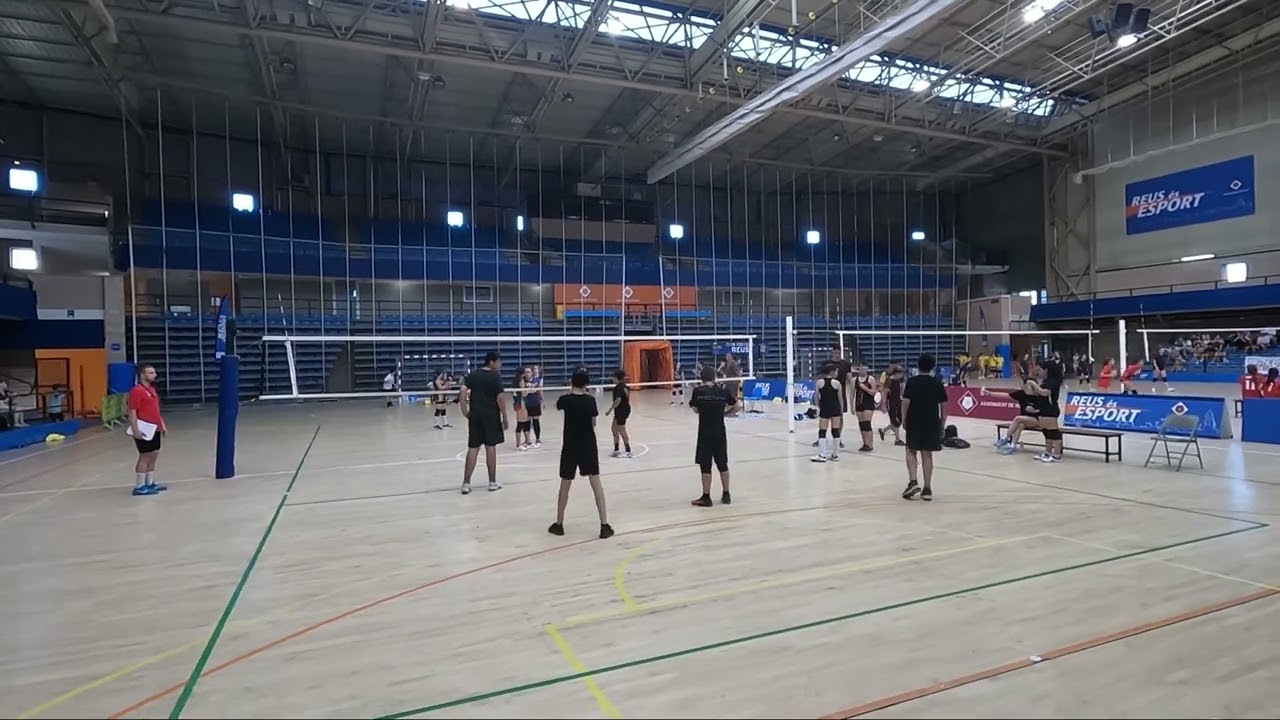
[
  {"x": 1104, "y": 377},
  {"x": 144, "y": 407},
  {"x": 1251, "y": 383},
  {"x": 1127, "y": 378},
  {"x": 1271, "y": 388}
]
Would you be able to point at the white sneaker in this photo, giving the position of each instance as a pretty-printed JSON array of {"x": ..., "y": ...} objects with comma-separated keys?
[
  {"x": 627, "y": 454},
  {"x": 466, "y": 488},
  {"x": 1168, "y": 389},
  {"x": 537, "y": 444},
  {"x": 834, "y": 458},
  {"x": 495, "y": 486},
  {"x": 1049, "y": 459},
  {"x": 818, "y": 458},
  {"x": 616, "y": 454}
]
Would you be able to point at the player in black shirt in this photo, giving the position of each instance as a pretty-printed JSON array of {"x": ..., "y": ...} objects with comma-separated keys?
[
  {"x": 1036, "y": 411},
  {"x": 712, "y": 402},
  {"x": 1161, "y": 372},
  {"x": 486, "y": 413},
  {"x": 1054, "y": 374},
  {"x": 864, "y": 405},
  {"x": 579, "y": 454},
  {"x": 1084, "y": 369},
  {"x": 533, "y": 403},
  {"x": 524, "y": 429},
  {"x": 896, "y": 380},
  {"x": 924, "y": 413},
  {"x": 830, "y": 415},
  {"x": 621, "y": 410},
  {"x": 443, "y": 383},
  {"x": 844, "y": 370}
]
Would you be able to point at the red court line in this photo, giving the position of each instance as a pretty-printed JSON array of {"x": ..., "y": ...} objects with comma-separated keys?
[
  {"x": 438, "y": 581},
  {"x": 1099, "y": 641}
]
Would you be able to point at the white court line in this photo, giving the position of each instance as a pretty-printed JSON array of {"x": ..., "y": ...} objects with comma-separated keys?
[{"x": 59, "y": 446}]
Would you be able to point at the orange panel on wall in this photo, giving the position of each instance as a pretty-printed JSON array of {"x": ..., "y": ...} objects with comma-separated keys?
[
  {"x": 88, "y": 381},
  {"x": 611, "y": 296}
]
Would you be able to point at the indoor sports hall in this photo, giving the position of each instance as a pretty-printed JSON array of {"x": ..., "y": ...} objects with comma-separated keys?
[{"x": 277, "y": 271}]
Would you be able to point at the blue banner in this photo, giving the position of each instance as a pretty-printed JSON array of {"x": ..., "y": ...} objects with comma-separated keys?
[
  {"x": 1190, "y": 197},
  {"x": 220, "y": 339},
  {"x": 737, "y": 347},
  {"x": 1144, "y": 413},
  {"x": 776, "y": 389}
]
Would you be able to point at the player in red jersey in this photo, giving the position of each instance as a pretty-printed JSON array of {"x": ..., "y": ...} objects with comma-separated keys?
[
  {"x": 1271, "y": 386},
  {"x": 1251, "y": 382},
  {"x": 1130, "y": 374},
  {"x": 1104, "y": 377}
]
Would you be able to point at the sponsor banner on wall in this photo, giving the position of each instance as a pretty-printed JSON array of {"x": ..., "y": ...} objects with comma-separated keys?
[
  {"x": 738, "y": 347},
  {"x": 1198, "y": 195},
  {"x": 970, "y": 403},
  {"x": 776, "y": 388},
  {"x": 1144, "y": 413},
  {"x": 1264, "y": 363},
  {"x": 612, "y": 296}
]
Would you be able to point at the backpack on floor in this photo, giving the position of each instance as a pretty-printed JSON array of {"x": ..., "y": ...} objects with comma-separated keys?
[{"x": 951, "y": 438}]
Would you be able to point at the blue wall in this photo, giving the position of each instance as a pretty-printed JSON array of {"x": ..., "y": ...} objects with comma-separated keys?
[
  {"x": 51, "y": 334},
  {"x": 1193, "y": 301},
  {"x": 17, "y": 302}
]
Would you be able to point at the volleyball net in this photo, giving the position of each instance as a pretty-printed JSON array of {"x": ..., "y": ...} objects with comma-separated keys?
[
  {"x": 331, "y": 367},
  {"x": 967, "y": 353}
]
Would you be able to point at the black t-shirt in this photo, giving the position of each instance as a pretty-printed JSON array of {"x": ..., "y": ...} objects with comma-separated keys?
[
  {"x": 1161, "y": 361},
  {"x": 485, "y": 386},
  {"x": 895, "y": 390},
  {"x": 927, "y": 395},
  {"x": 1029, "y": 404},
  {"x": 844, "y": 369},
  {"x": 578, "y": 410},
  {"x": 710, "y": 402},
  {"x": 622, "y": 395},
  {"x": 1053, "y": 370}
]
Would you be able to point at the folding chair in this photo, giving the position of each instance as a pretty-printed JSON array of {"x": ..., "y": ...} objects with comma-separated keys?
[
  {"x": 1179, "y": 430},
  {"x": 756, "y": 396}
]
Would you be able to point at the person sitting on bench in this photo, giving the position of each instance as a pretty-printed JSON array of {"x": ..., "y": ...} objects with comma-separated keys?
[{"x": 1037, "y": 411}]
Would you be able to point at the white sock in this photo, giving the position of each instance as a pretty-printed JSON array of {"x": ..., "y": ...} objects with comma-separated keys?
[
  {"x": 151, "y": 478},
  {"x": 140, "y": 480},
  {"x": 823, "y": 445}
]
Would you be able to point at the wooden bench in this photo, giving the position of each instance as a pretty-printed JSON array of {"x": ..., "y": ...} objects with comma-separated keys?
[{"x": 1002, "y": 429}]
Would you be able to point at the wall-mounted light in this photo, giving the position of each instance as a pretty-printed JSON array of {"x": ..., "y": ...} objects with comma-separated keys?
[
  {"x": 1235, "y": 272},
  {"x": 454, "y": 218},
  {"x": 243, "y": 202},
  {"x": 813, "y": 237},
  {"x": 24, "y": 258},
  {"x": 1195, "y": 258},
  {"x": 1126, "y": 26},
  {"x": 23, "y": 179},
  {"x": 676, "y": 231},
  {"x": 917, "y": 235},
  {"x": 519, "y": 223}
]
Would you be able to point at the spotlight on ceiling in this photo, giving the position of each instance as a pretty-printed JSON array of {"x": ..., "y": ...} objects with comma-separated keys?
[{"x": 1125, "y": 28}]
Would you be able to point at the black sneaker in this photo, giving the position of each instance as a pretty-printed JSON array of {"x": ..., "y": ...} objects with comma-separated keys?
[
  {"x": 606, "y": 531},
  {"x": 911, "y": 491},
  {"x": 926, "y": 494},
  {"x": 704, "y": 501},
  {"x": 899, "y": 443},
  {"x": 881, "y": 431},
  {"x": 558, "y": 529},
  {"x": 865, "y": 448},
  {"x": 725, "y": 499}
]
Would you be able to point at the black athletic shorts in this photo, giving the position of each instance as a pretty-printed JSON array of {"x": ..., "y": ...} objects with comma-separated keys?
[
  {"x": 712, "y": 451},
  {"x": 868, "y": 404},
  {"x": 484, "y": 430},
  {"x": 148, "y": 446},
  {"x": 620, "y": 417},
  {"x": 924, "y": 438},
  {"x": 584, "y": 462},
  {"x": 533, "y": 408},
  {"x": 895, "y": 414}
]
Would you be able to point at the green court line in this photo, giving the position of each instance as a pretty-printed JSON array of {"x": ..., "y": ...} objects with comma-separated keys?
[
  {"x": 235, "y": 594},
  {"x": 795, "y": 628}
]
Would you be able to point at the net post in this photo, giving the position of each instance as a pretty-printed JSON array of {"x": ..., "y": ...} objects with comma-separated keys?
[
  {"x": 293, "y": 368},
  {"x": 228, "y": 410},
  {"x": 1124, "y": 343},
  {"x": 791, "y": 374},
  {"x": 1146, "y": 344},
  {"x": 751, "y": 356}
]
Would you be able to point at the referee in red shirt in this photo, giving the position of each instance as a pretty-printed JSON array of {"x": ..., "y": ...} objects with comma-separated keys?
[{"x": 144, "y": 406}]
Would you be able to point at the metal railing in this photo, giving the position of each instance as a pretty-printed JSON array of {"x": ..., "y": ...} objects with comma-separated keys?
[{"x": 1169, "y": 288}]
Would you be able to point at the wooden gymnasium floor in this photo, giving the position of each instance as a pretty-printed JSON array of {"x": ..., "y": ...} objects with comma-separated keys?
[{"x": 378, "y": 590}]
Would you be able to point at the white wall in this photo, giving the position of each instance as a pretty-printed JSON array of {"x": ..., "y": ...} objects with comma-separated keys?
[
  {"x": 1238, "y": 100},
  {"x": 1199, "y": 275}
]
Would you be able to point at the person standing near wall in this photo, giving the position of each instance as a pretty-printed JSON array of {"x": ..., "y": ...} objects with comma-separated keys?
[{"x": 146, "y": 426}]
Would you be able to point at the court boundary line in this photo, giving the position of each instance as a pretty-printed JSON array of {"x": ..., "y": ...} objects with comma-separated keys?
[
  {"x": 190, "y": 686},
  {"x": 1047, "y": 656},
  {"x": 489, "y": 695}
]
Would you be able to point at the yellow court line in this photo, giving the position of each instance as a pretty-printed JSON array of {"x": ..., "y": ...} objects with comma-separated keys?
[
  {"x": 593, "y": 687},
  {"x": 194, "y": 644},
  {"x": 620, "y": 572},
  {"x": 781, "y": 582},
  {"x": 1170, "y": 563}
]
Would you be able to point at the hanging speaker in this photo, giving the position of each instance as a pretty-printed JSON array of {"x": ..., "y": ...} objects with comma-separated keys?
[
  {"x": 1122, "y": 17},
  {"x": 1141, "y": 20},
  {"x": 1097, "y": 27}
]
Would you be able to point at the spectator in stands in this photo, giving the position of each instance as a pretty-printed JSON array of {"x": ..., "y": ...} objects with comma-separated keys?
[
  {"x": 1251, "y": 382},
  {"x": 1266, "y": 339}
]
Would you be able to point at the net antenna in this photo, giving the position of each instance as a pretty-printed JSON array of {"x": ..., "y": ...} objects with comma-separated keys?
[
  {"x": 915, "y": 332},
  {"x": 705, "y": 348}
]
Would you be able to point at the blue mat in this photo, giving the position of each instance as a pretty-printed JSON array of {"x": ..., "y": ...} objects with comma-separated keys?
[{"x": 34, "y": 434}]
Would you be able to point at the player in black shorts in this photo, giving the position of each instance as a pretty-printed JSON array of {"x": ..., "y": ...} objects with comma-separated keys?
[
  {"x": 895, "y": 379},
  {"x": 621, "y": 410},
  {"x": 830, "y": 415},
  {"x": 864, "y": 405},
  {"x": 579, "y": 454},
  {"x": 442, "y": 384},
  {"x": 524, "y": 429},
  {"x": 1084, "y": 369},
  {"x": 712, "y": 402},
  {"x": 924, "y": 414},
  {"x": 1161, "y": 372},
  {"x": 486, "y": 413},
  {"x": 533, "y": 403}
]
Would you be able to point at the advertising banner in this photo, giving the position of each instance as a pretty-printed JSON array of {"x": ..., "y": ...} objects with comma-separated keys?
[
  {"x": 776, "y": 388},
  {"x": 1144, "y": 413},
  {"x": 223, "y": 330},
  {"x": 738, "y": 347},
  {"x": 968, "y": 402},
  {"x": 613, "y": 296},
  {"x": 1190, "y": 197}
]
